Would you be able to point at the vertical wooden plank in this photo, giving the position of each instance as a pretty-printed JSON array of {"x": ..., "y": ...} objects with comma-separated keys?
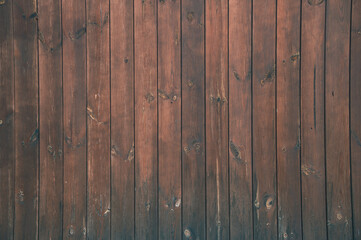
[
  {"x": 98, "y": 121},
  {"x": 51, "y": 128},
  {"x": 217, "y": 119},
  {"x": 240, "y": 119},
  {"x": 7, "y": 159},
  {"x": 169, "y": 119},
  {"x": 264, "y": 128},
  {"x": 355, "y": 99},
  {"x": 146, "y": 204},
  {"x": 193, "y": 121},
  {"x": 74, "y": 98},
  {"x": 26, "y": 121},
  {"x": 288, "y": 120},
  {"x": 339, "y": 211},
  {"x": 122, "y": 115},
  {"x": 122, "y": 119},
  {"x": 312, "y": 120}
]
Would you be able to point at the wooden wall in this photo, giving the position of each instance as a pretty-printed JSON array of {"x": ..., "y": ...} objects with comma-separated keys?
[{"x": 180, "y": 119}]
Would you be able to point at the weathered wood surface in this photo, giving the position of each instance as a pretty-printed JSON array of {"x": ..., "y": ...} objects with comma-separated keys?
[{"x": 180, "y": 119}]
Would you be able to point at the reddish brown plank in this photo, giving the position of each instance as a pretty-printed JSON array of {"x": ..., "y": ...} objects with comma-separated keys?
[
  {"x": 74, "y": 99},
  {"x": 312, "y": 120},
  {"x": 98, "y": 121},
  {"x": 193, "y": 121},
  {"x": 217, "y": 119},
  {"x": 50, "y": 115},
  {"x": 240, "y": 119},
  {"x": 264, "y": 129},
  {"x": 146, "y": 202},
  {"x": 26, "y": 119},
  {"x": 288, "y": 120},
  {"x": 355, "y": 99},
  {"x": 339, "y": 213},
  {"x": 169, "y": 119},
  {"x": 7, "y": 159},
  {"x": 122, "y": 118}
]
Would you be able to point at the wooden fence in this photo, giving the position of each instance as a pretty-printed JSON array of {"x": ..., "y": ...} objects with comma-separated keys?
[{"x": 180, "y": 119}]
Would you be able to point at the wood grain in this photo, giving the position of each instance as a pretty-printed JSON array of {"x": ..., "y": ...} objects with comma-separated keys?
[
  {"x": 193, "y": 120},
  {"x": 26, "y": 119},
  {"x": 355, "y": 98},
  {"x": 146, "y": 122},
  {"x": 7, "y": 157},
  {"x": 264, "y": 120},
  {"x": 74, "y": 110},
  {"x": 312, "y": 120},
  {"x": 169, "y": 119},
  {"x": 240, "y": 119},
  {"x": 98, "y": 120},
  {"x": 122, "y": 119},
  {"x": 217, "y": 119},
  {"x": 288, "y": 120},
  {"x": 339, "y": 213}
]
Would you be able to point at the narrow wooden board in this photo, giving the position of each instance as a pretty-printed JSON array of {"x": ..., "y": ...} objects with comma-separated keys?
[
  {"x": 240, "y": 119},
  {"x": 264, "y": 121},
  {"x": 7, "y": 159},
  {"x": 146, "y": 202},
  {"x": 74, "y": 109},
  {"x": 288, "y": 119},
  {"x": 312, "y": 120},
  {"x": 26, "y": 119},
  {"x": 339, "y": 213},
  {"x": 355, "y": 99},
  {"x": 98, "y": 120},
  {"x": 122, "y": 119},
  {"x": 169, "y": 119},
  {"x": 217, "y": 119},
  {"x": 193, "y": 120},
  {"x": 51, "y": 119}
]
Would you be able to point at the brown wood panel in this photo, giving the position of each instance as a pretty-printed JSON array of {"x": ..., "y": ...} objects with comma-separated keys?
[
  {"x": 312, "y": 120},
  {"x": 169, "y": 120},
  {"x": 51, "y": 119},
  {"x": 74, "y": 110},
  {"x": 339, "y": 213},
  {"x": 26, "y": 119},
  {"x": 288, "y": 120},
  {"x": 355, "y": 98},
  {"x": 264, "y": 120},
  {"x": 98, "y": 120},
  {"x": 146, "y": 122},
  {"x": 240, "y": 119},
  {"x": 7, "y": 157},
  {"x": 217, "y": 119},
  {"x": 193, "y": 120},
  {"x": 122, "y": 119}
]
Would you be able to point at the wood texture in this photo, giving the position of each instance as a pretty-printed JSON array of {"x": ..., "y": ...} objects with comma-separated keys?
[
  {"x": 288, "y": 120},
  {"x": 169, "y": 120},
  {"x": 355, "y": 125},
  {"x": 264, "y": 120},
  {"x": 240, "y": 119},
  {"x": 7, "y": 159},
  {"x": 26, "y": 119},
  {"x": 339, "y": 213},
  {"x": 74, "y": 111},
  {"x": 122, "y": 119},
  {"x": 98, "y": 120},
  {"x": 51, "y": 120},
  {"x": 217, "y": 119},
  {"x": 193, "y": 120},
  {"x": 312, "y": 120},
  {"x": 146, "y": 121},
  {"x": 180, "y": 119}
]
